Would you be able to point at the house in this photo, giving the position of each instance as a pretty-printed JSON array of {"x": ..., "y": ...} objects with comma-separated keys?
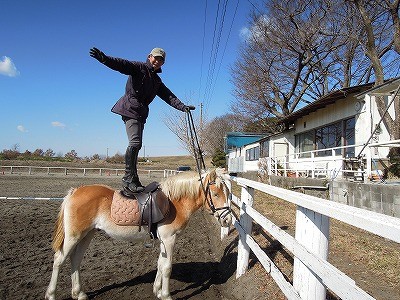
[
  {"x": 235, "y": 145},
  {"x": 338, "y": 136}
]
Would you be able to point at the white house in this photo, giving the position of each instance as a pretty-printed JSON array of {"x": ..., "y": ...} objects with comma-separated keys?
[{"x": 339, "y": 135}]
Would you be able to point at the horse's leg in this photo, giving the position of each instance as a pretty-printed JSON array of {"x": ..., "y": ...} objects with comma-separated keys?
[
  {"x": 164, "y": 268},
  {"x": 76, "y": 259},
  {"x": 59, "y": 260}
]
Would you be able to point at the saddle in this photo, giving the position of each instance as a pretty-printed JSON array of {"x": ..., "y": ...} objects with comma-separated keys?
[{"x": 145, "y": 209}]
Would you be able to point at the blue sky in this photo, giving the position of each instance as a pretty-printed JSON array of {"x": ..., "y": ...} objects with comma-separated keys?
[{"x": 54, "y": 95}]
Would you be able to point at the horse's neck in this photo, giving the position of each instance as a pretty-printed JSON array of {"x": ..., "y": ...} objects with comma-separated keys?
[{"x": 187, "y": 206}]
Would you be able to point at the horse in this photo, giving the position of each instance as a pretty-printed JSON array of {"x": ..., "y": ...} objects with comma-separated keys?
[{"x": 87, "y": 208}]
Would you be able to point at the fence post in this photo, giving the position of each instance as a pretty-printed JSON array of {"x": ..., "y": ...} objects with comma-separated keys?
[
  {"x": 225, "y": 230},
  {"x": 246, "y": 223},
  {"x": 312, "y": 231}
]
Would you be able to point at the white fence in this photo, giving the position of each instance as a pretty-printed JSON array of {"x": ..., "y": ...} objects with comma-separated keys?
[
  {"x": 312, "y": 274},
  {"x": 30, "y": 170}
]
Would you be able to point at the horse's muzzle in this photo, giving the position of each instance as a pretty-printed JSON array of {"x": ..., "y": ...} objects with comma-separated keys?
[{"x": 224, "y": 216}]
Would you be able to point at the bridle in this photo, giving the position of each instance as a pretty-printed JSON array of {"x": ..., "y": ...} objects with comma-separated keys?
[
  {"x": 202, "y": 166},
  {"x": 226, "y": 210}
]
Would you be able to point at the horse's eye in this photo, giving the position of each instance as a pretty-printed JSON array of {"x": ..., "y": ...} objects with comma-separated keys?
[{"x": 215, "y": 194}]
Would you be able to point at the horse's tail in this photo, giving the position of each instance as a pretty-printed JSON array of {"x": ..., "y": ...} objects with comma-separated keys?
[{"x": 58, "y": 233}]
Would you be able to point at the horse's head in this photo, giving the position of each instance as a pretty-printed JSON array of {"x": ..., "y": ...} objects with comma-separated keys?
[{"x": 216, "y": 197}]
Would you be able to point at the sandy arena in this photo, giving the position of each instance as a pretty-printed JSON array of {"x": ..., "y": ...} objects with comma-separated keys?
[{"x": 203, "y": 267}]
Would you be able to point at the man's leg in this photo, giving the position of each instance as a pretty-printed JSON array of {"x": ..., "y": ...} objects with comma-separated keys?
[{"x": 130, "y": 181}]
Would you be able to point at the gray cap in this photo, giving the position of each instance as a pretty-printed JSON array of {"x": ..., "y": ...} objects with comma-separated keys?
[{"x": 158, "y": 52}]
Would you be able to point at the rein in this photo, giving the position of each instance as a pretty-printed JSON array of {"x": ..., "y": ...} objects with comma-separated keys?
[{"x": 201, "y": 166}]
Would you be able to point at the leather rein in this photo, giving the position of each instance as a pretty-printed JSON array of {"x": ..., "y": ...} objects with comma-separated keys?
[{"x": 201, "y": 166}]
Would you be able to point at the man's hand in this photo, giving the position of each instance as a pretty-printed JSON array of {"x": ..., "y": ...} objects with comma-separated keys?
[
  {"x": 97, "y": 54},
  {"x": 189, "y": 108}
]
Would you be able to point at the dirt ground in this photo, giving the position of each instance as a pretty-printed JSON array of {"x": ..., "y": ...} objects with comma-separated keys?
[{"x": 203, "y": 266}]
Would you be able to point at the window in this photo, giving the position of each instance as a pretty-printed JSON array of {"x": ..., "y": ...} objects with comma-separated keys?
[
  {"x": 328, "y": 137},
  {"x": 349, "y": 137},
  {"x": 253, "y": 153},
  {"x": 305, "y": 142},
  {"x": 264, "y": 148}
]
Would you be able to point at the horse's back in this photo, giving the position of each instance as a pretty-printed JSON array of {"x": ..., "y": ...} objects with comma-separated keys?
[{"x": 87, "y": 203}]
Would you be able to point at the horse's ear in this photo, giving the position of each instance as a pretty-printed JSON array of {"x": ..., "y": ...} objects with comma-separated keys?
[
  {"x": 221, "y": 171},
  {"x": 212, "y": 175}
]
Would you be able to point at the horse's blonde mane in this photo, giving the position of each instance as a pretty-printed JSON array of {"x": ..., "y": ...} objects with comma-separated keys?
[
  {"x": 187, "y": 184},
  {"x": 181, "y": 185}
]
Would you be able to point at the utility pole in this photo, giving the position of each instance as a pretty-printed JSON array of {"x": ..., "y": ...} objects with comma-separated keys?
[{"x": 201, "y": 116}]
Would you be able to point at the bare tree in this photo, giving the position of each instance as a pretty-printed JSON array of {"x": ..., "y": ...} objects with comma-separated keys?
[
  {"x": 301, "y": 50},
  {"x": 49, "y": 153},
  {"x": 286, "y": 60},
  {"x": 178, "y": 124},
  {"x": 380, "y": 20},
  {"x": 216, "y": 130}
]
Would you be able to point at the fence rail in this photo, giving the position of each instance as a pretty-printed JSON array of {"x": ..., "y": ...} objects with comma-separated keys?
[
  {"x": 30, "y": 170},
  {"x": 312, "y": 273}
]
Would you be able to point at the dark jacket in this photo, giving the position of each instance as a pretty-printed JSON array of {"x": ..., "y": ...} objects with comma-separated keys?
[{"x": 142, "y": 87}]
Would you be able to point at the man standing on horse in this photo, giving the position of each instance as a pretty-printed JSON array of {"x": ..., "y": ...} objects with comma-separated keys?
[{"x": 142, "y": 86}]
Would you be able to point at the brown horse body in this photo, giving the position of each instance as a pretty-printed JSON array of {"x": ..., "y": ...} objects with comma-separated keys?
[{"x": 87, "y": 208}]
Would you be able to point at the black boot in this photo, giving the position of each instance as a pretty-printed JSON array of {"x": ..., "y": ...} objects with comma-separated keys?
[{"x": 130, "y": 181}]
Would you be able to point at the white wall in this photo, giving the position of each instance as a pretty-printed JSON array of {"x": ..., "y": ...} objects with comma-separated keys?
[{"x": 366, "y": 117}]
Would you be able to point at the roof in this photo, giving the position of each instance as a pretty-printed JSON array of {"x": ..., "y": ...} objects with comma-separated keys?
[
  {"x": 239, "y": 139},
  {"x": 387, "y": 88},
  {"x": 325, "y": 101}
]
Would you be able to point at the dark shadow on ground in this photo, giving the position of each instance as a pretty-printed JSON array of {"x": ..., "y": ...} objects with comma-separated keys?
[{"x": 197, "y": 276}]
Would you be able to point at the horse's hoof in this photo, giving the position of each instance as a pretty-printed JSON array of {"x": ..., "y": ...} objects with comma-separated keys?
[
  {"x": 161, "y": 297},
  {"x": 49, "y": 297},
  {"x": 82, "y": 296}
]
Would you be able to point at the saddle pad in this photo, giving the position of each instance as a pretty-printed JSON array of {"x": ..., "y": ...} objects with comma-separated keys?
[{"x": 125, "y": 211}]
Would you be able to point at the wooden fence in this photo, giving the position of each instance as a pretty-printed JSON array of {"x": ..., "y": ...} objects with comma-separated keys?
[
  {"x": 312, "y": 273},
  {"x": 31, "y": 170}
]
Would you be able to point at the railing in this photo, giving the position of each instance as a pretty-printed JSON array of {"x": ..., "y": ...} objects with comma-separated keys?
[
  {"x": 312, "y": 164},
  {"x": 312, "y": 274},
  {"x": 30, "y": 170}
]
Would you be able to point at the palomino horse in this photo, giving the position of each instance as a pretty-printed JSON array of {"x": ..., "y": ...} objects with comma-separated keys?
[{"x": 87, "y": 208}]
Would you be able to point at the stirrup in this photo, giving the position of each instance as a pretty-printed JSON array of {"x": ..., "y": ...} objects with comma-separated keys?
[{"x": 150, "y": 244}]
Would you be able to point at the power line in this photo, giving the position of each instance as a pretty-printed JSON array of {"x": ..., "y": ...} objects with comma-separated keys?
[
  {"x": 215, "y": 49},
  {"x": 226, "y": 44},
  {"x": 202, "y": 48},
  {"x": 218, "y": 28},
  {"x": 209, "y": 77}
]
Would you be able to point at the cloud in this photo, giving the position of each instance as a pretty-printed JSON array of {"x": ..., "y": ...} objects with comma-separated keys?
[
  {"x": 58, "y": 124},
  {"x": 244, "y": 33},
  {"x": 7, "y": 67},
  {"x": 22, "y": 128},
  {"x": 257, "y": 30}
]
